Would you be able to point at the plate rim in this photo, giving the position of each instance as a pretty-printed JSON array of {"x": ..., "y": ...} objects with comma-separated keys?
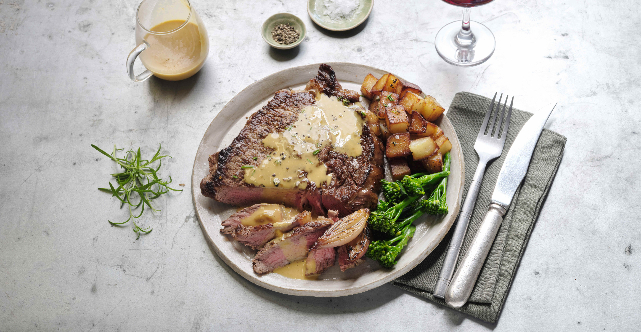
[
  {"x": 322, "y": 25},
  {"x": 344, "y": 291}
]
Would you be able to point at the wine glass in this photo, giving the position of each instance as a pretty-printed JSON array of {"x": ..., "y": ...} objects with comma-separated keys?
[{"x": 465, "y": 43}]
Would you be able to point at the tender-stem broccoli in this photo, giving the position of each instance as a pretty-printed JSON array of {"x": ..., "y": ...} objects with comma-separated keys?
[
  {"x": 437, "y": 202},
  {"x": 406, "y": 198},
  {"x": 414, "y": 185},
  {"x": 386, "y": 251},
  {"x": 419, "y": 209},
  {"x": 385, "y": 220}
]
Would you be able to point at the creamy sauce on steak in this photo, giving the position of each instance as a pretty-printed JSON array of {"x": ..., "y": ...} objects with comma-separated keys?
[
  {"x": 294, "y": 162},
  {"x": 295, "y": 270},
  {"x": 269, "y": 214}
]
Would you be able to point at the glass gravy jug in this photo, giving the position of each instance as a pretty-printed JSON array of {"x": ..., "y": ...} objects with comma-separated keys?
[{"x": 172, "y": 40}]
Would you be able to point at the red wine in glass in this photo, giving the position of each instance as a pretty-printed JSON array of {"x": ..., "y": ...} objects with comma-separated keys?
[
  {"x": 465, "y": 43},
  {"x": 467, "y": 3}
]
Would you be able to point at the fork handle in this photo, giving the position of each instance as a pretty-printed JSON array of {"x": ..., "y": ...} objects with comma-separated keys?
[
  {"x": 465, "y": 278},
  {"x": 459, "y": 232}
]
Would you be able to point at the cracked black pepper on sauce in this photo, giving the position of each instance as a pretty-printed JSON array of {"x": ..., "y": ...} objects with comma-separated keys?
[{"x": 285, "y": 34}]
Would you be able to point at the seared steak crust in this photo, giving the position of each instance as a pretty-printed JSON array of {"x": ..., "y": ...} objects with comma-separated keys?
[
  {"x": 248, "y": 149},
  {"x": 327, "y": 83},
  {"x": 351, "y": 254},
  {"x": 355, "y": 180}
]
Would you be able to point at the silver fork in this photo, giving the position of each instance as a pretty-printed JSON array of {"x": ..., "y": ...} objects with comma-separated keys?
[{"x": 489, "y": 145}]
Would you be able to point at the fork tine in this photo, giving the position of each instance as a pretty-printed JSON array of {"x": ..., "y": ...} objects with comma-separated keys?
[
  {"x": 497, "y": 128},
  {"x": 487, "y": 117},
  {"x": 507, "y": 120},
  {"x": 495, "y": 115}
]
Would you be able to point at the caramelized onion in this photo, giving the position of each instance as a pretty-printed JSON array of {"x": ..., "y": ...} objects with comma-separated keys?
[
  {"x": 344, "y": 230},
  {"x": 358, "y": 247}
]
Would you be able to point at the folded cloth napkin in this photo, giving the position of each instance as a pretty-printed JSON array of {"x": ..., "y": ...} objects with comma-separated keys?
[{"x": 486, "y": 302}]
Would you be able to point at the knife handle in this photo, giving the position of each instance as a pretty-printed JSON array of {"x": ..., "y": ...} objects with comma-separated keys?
[
  {"x": 465, "y": 277},
  {"x": 459, "y": 232}
]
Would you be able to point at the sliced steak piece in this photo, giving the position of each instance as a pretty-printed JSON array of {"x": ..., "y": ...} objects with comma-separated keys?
[
  {"x": 355, "y": 180},
  {"x": 351, "y": 254},
  {"x": 290, "y": 247},
  {"x": 319, "y": 260},
  {"x": 256, "y": 236},
  {"x": 235, "y": 220}
]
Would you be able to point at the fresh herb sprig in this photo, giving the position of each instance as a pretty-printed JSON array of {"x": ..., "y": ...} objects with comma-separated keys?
[{"x": 139, "y": 179}]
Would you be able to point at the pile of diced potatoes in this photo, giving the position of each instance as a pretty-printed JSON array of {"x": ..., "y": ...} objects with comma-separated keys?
[{"x": 404, "y": 119}]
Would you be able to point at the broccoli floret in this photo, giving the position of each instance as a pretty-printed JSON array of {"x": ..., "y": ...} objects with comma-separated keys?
[
  {"x": 414, "y": 185},
  {"x": 386, "y": 251},
  {"x": 437, "y": 202},
  {"x": 382, "y": 206},
  {"x": 385, "y": 220},
  {"x": 393, "y": 191}
]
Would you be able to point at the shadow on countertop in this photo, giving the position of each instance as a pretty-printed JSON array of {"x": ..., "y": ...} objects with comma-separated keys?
[
  {"x": 342, "y": 34},
  {"x": 361, "y": 302},
  {"x": 454, "y": 317},
  {"x": 286, "y": 55},
  {"x": 177, "y": 90}
]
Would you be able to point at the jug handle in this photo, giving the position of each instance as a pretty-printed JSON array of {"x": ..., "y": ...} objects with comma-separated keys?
[{"x": 131, "y": 58}]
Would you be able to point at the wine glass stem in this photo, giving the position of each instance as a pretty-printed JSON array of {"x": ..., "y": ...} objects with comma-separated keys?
[{"x": 465, "y": 38}]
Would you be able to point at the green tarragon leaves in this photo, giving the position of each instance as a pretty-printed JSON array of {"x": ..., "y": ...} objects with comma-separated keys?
[{"x": 138, "y": 181}]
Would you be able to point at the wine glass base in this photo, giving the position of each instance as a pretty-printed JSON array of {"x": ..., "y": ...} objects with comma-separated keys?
[{"x": 455, "y": 54}]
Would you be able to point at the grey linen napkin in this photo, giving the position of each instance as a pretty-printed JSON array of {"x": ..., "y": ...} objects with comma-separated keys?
[{"x": 486, "y": 302}]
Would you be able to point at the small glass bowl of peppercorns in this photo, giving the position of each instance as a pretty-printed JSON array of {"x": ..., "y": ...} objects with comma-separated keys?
[{"x": 283, "y": 31}]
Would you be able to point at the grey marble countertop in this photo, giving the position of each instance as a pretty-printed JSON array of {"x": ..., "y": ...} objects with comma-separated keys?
[{"x": 64, "y": 86}]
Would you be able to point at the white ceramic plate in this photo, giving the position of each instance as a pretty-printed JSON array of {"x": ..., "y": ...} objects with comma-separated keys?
[{"x": 228, "y": 123}]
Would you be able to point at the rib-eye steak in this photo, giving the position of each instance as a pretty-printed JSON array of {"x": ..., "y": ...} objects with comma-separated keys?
[{"x": 352, "y": 179}]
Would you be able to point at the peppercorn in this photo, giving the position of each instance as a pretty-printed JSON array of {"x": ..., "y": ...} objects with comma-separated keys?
[{"x": 285, "y": 34}]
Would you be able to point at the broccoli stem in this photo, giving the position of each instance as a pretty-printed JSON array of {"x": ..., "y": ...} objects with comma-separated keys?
[
  {"x": 437, "y": 202},
  {"x": 386, "y": 251},
  {"x": 398, "y": 208},
  {"x": 385, "y": 220},
  {"x": 410, "y": 219}
]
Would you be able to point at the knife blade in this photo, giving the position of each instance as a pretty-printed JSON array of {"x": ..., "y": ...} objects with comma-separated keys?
[{"x": 512, "y": 173}]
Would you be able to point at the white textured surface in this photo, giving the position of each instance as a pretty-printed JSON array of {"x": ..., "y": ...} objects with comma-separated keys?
[{"x": 63, "y": 86}]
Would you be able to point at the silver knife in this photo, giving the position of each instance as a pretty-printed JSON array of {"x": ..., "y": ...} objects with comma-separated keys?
[{"x": 512, "y": 173}]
